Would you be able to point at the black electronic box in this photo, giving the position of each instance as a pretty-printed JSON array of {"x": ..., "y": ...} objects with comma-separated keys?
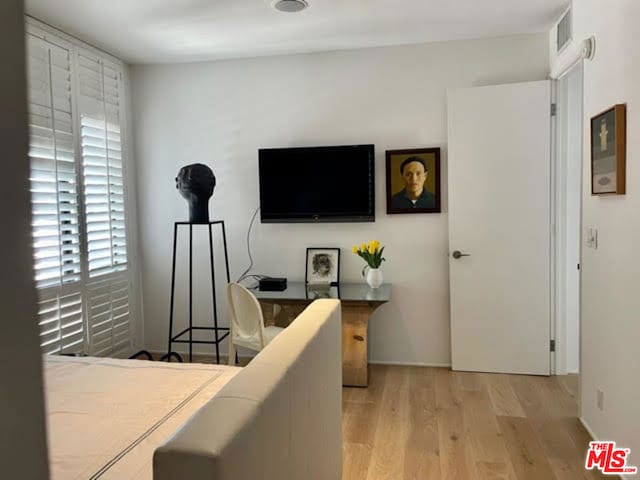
[{"x": 272, "y": 284}]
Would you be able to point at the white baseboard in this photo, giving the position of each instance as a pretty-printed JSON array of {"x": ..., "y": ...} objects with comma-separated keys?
[
  {"x": 588, "y": 429},
  {"x": 410, "y": 364}
]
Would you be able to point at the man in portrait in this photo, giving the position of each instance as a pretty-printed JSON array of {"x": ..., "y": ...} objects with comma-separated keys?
[{"x": 414, "y": 195}]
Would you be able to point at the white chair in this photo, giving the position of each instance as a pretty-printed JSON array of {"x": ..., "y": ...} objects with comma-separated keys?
[{"x": 247, "y": 322}]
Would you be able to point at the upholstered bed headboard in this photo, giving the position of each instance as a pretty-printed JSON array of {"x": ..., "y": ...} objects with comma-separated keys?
[{"x": 279, "y": 418}]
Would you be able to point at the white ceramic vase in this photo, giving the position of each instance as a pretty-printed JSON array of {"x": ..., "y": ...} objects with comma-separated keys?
[{"x": 374, "y": 277}]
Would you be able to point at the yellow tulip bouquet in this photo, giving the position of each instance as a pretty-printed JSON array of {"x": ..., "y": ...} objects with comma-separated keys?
[{"x": 371, "y": 253}]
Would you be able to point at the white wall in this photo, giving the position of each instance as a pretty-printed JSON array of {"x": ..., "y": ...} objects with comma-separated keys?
[
  {"x": 220, "y": 113},
  {"x": 610, "y": 358},
  {"x": 23, "y": 451}
]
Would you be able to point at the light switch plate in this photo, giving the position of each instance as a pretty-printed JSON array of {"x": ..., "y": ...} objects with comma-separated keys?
[{"x": 591, "y": 237}]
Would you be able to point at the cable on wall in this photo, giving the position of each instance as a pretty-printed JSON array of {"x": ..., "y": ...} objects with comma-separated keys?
[{"x": 245, "y": 274}]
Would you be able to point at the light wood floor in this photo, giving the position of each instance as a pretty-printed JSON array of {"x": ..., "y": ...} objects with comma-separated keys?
[{"x": 430, "y": 424}]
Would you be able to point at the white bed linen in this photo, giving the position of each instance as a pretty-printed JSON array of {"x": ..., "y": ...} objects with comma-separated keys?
[{"x": 105, "y": 417}]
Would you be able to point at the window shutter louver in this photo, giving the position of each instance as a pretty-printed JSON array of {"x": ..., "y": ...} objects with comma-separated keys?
[{"x": 54, "y": 197}]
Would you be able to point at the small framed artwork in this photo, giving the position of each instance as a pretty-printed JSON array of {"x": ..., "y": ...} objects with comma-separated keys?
[
  {"x": 608, "y": 151},
  {"x": 323, "y": 266},
  {"x": 413, "y": 181}
]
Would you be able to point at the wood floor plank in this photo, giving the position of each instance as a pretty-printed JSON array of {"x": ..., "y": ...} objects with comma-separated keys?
[
  {"x": 494, "y": 471},
  {"x": 571, "y": 383},
  {"x": 456, "y": 455},
  {"x": 566, "y": 471},
  {"x": 555, "y": 395},
  {"x": 503, "y": 398},
  {"x": 485, "y": 435},
  {"x": 422, "y": 450},
  {"x": 359, "y": 422},
  {"x": 392, "y": 432},
  {"x": 552, "y": 411},
  {"x": 566, "y": 460},
  {"x": 581, "y": 439},
  {"x": 527, "y": 390},
  {"x": 377, "y": 380},
  {"x": 448, "y": 393},
  {"x": 356, "y": 459},
  {"x": 468, "y": 381},
  {"x": 415, "y": 423},
  {"x": 527, "y": 455}
]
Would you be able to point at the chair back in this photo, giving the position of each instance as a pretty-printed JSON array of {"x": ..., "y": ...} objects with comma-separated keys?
[{"x": 246, "y": 314}]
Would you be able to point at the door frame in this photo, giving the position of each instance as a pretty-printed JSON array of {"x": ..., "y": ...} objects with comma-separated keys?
[{"x": 559, "y": 320}]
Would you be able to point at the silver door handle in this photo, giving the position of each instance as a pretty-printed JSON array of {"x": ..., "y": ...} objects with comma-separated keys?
[{"x": 457, "y": 254}]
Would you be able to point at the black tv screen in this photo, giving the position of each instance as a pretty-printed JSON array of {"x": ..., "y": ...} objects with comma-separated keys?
[{"x": 317, "y": 184}]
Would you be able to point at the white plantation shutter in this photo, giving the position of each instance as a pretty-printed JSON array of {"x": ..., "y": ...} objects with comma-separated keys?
[
  {"x": 54, "y": 196},
  {"x": 99, "y": 107},
  {"x": 54, "y": 189},
  {"x": 109, "y": 325},
  {"x": 61, "y": 321},
  {"x": 78, "y": 196},
  {"x": 99, "y": 103}
]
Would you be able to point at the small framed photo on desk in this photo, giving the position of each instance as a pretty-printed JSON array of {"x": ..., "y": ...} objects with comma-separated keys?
[{"x": 323, "y": 266}]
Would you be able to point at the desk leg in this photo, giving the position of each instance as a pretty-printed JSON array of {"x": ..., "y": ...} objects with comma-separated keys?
[
  {"x": 355, "y": 366},
  {"x": 280, "y": 314},
  {"x": 268, "y": 313},
  {"x": 355, "y": 323}
]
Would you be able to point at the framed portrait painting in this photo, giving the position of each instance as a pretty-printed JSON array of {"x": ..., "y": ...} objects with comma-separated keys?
[
  {"x": 608, "y": 151},
  {"x": 413, "y": 180},
  {"x": 323, "y": 266}
]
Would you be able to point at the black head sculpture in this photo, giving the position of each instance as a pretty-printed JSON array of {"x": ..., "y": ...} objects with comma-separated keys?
[{"x": 196, "y": 183}]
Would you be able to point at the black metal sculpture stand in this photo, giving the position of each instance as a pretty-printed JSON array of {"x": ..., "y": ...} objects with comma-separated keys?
[{"x": 189, "y": 330}]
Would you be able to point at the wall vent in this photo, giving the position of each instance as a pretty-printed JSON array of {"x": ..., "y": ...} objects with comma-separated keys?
[{"x": 564, "y": 31}]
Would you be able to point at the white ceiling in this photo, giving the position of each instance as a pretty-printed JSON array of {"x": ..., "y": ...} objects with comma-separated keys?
[{"x": 168, "y": 31}]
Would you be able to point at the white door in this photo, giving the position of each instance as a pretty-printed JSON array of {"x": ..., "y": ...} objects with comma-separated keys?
[{"x": 499, "y": 167}]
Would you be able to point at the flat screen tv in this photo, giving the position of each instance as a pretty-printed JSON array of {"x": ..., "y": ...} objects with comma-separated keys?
[{"x": 317, "y": 184}]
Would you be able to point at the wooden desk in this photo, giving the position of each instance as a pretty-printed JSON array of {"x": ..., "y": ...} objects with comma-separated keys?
[{"x": 358, "y": 303}]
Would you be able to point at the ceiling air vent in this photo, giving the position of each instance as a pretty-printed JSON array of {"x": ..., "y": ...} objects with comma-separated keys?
[
  {"x": 289, "y": 6},
  {"x": 564, "y": 31}
]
